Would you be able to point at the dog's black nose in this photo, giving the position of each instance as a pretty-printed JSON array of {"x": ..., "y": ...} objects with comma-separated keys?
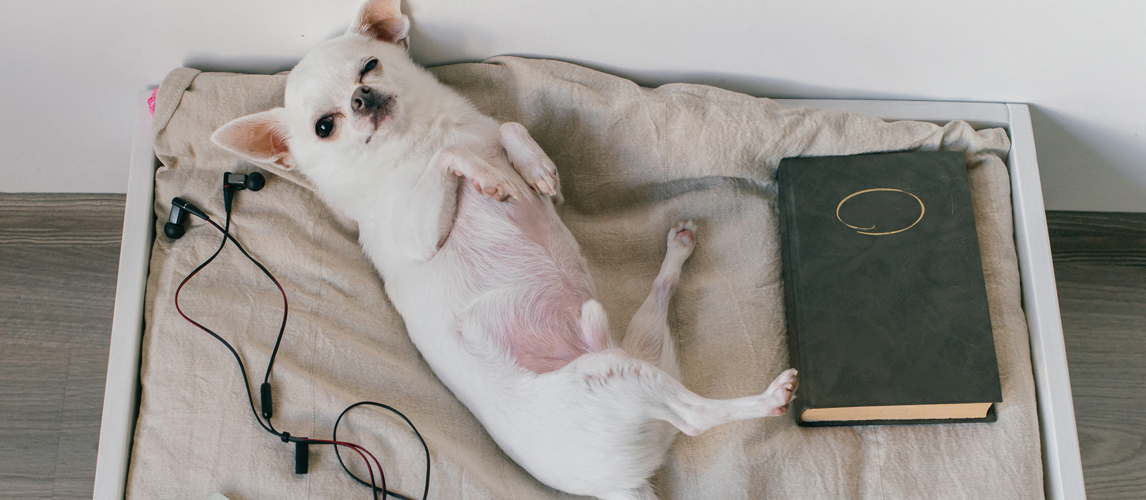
[{"x": 368, "y": 101}]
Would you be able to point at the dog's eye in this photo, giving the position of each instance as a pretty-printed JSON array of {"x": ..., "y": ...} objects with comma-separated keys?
[
  {"x": 370, "y": 65},
  {"x": 324, "y": 126}
]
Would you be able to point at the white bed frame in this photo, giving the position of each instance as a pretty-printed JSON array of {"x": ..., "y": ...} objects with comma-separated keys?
[{"x": 1062, "y": 465}]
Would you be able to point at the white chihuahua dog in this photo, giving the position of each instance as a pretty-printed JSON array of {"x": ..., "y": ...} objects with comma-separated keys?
[{"x": 492, "y": 286}]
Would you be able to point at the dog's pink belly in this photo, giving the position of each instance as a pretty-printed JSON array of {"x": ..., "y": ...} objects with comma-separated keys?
[{"x": 527, "y": 271}]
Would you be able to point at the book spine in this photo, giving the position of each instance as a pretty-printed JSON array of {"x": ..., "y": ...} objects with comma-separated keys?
[{"x": 788, "y": 237}]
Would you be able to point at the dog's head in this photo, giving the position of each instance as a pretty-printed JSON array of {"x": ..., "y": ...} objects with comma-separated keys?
[{"x": 344, "y": 100}]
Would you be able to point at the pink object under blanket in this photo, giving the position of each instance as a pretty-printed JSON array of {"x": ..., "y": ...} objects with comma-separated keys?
[{"x": 151, "y": 101}]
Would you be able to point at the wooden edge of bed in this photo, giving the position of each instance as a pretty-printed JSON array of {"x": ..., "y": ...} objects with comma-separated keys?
[
  {"x": 121, "y": 393},
  {"x": 1062, "y": 464}
]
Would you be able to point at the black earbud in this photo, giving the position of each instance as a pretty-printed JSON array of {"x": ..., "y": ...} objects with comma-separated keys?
[
  {"x": 253, "y": 181},
  {"x": 179, "y": 210}
]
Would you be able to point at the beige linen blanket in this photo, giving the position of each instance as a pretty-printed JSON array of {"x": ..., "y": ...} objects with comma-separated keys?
[{"x": 632, "y": 161}]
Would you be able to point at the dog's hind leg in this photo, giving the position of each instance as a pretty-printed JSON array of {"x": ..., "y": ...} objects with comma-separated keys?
[
  {"x": 620, "y": 436},
  {"x": 627, "y": 382},
  {"x": 693, "y": 414},
  {"x": 648, "y": 336}
]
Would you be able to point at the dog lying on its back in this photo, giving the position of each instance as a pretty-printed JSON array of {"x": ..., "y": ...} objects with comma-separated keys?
[{"x": 456, "y": 212}]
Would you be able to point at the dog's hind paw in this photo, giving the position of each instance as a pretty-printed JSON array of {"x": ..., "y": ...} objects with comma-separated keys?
[
  {"x": 682, "y": 237},
  {"x": 779, "y": 393}
]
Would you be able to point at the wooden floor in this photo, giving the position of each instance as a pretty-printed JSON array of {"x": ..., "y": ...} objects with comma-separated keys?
[
  {"x": 1100, "y": 266},
  {"x": 58, "y": 258},
  {"x": 58, "y": 261}
]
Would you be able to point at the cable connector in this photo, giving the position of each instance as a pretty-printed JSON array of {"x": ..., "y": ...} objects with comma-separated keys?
[{"x": 301, "y": 457}]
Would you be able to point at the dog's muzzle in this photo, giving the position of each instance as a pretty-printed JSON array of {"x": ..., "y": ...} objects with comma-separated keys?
[{"x": 367, "y": 101}]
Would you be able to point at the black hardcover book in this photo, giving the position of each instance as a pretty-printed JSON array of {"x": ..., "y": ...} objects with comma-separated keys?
[{"x": 886, "y": 301}]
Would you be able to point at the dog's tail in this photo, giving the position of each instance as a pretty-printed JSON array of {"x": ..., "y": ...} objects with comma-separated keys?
[{"x": 594, "y": 326}]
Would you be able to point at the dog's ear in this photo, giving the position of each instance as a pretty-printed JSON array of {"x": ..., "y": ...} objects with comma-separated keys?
[
  {"x": 260, "y": 137},
  {"x": 383, "y": 20}
]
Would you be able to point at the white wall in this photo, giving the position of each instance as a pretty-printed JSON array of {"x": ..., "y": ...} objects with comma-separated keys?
[{"x": 72, "y": 70}]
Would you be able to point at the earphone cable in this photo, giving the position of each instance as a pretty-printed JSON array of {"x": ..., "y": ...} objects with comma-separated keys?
[
  {"x": 268, "y": 425},
  {"x": 282, "y": 326},
  {"x": 334, "y": 435},
  {"x": 242, "y": 368}
]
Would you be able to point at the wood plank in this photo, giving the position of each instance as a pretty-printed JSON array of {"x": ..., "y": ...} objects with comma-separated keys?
[
  {"x": 59, "y": 219},
  {"x": 1116, "y": 238},
  {"x": 79, "y": 424},
  {"x": 32, "y": 379},
  {"x": 57, "y": 295},
  {"x": 58, "y": 260},
  {"x": 1100, "y": 267},
  {"x": 1104, "y": 323}
]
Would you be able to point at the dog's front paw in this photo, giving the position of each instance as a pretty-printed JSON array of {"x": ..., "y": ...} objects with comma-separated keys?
[
  {"x": 530, "y": 160},
  {"x": 779, "y": 393},
  {"x": 541, "y": 175},
  {"x": 493, "y": 182}
]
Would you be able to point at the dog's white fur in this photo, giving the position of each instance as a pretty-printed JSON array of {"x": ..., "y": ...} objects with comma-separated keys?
[{"x": 492, "y": 286}]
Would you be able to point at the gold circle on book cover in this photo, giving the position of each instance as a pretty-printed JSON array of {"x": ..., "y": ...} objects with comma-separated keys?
[{"x": 861, "y": 230}]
